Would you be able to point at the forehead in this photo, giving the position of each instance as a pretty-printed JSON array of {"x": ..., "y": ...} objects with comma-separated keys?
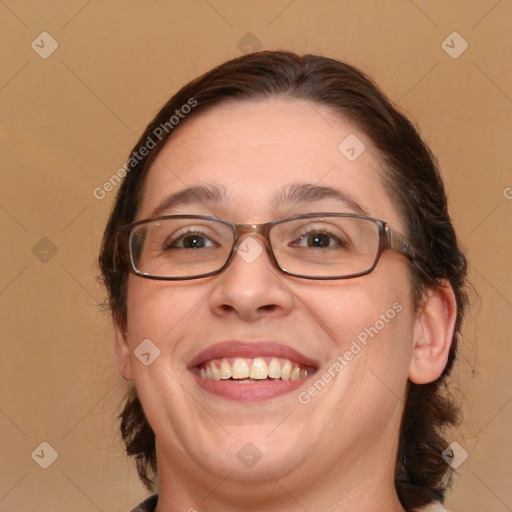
[{"x": 254, "y": 151}]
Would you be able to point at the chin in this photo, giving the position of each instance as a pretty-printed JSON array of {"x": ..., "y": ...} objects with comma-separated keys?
[{"x": 252, "y": 455}]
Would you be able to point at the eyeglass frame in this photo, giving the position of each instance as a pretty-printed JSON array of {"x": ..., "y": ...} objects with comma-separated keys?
[{"x": 389, "y": 239}]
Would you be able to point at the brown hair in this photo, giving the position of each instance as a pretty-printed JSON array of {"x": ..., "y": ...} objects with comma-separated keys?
[{"x": 412, "y": 179}]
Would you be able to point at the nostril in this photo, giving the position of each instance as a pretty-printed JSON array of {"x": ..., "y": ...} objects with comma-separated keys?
[{"x": 268, "y": 307}]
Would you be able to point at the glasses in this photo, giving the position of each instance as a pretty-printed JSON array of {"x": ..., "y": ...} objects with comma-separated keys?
[{"x": 310, "y": 246}]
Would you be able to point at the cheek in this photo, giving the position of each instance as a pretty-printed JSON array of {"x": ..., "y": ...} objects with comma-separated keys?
[
  {"x": 369, "y": 319},
  {"x": 155, "y": 305},
  {"x": 355, "y": 308},
  {"x": 162, "y": 313},
  {"x": 145, "y": 309}
]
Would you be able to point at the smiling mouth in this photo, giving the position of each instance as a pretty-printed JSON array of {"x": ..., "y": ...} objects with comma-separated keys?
[{"x": 250, "y": 370}]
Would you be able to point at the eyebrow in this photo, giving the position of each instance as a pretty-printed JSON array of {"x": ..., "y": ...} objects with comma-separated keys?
[
  {"x": 295, "y": 194},
  {"x": 308, "y": 193},
  {"x": 191, "y": 195}
]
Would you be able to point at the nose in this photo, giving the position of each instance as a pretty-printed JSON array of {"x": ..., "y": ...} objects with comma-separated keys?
[{"x": 251, "y": 287}]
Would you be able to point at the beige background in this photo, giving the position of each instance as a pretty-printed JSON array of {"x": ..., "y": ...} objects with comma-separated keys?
[{"x": 68, "y": 123}]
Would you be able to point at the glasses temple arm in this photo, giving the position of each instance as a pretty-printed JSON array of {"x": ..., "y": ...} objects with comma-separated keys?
[{"x": 399, "y": 242}]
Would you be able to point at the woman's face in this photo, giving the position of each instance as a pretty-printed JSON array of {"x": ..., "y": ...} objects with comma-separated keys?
[{"x": 355, "y": 334}]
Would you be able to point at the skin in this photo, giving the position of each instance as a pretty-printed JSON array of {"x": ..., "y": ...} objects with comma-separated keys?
[{"x": 337, "y": 452}]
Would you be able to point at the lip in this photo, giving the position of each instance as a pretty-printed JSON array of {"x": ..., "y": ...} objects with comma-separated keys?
[
  {"x": 253, "y": 391},
  {"x": 251, "y": 349}
]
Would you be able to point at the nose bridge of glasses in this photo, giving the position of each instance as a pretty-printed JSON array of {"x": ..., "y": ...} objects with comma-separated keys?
[
  {"x": 244, "y": 231},
  {"x": 258, "y": 229}
]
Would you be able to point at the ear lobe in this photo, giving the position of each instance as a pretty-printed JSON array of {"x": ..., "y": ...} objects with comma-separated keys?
[
  {"x": 433, "y": 332},
  {"x": 122, "y": 350}
]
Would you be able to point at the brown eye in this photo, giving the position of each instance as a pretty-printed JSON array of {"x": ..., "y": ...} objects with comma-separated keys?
[
  {"x": 189, "y": 241},
  {"x": 318, "y": 239}
]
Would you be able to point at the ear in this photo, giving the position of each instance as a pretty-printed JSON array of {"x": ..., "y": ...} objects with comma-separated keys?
[
  {"x": 122, "y": 350},
  {"x": 433, "y": 332}
]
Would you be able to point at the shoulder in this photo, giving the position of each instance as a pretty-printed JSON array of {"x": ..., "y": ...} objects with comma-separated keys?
[{"x": 148, "y": 505}]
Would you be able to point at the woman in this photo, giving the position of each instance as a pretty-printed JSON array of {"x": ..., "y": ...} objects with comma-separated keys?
[{"x": 297, "y": 364}]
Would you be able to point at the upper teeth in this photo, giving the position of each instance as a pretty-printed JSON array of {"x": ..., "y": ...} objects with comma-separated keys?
[{"x": 257, "y": 368}]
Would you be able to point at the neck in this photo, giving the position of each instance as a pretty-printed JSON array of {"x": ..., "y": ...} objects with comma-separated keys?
[{"x": 348, "y": 487}]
